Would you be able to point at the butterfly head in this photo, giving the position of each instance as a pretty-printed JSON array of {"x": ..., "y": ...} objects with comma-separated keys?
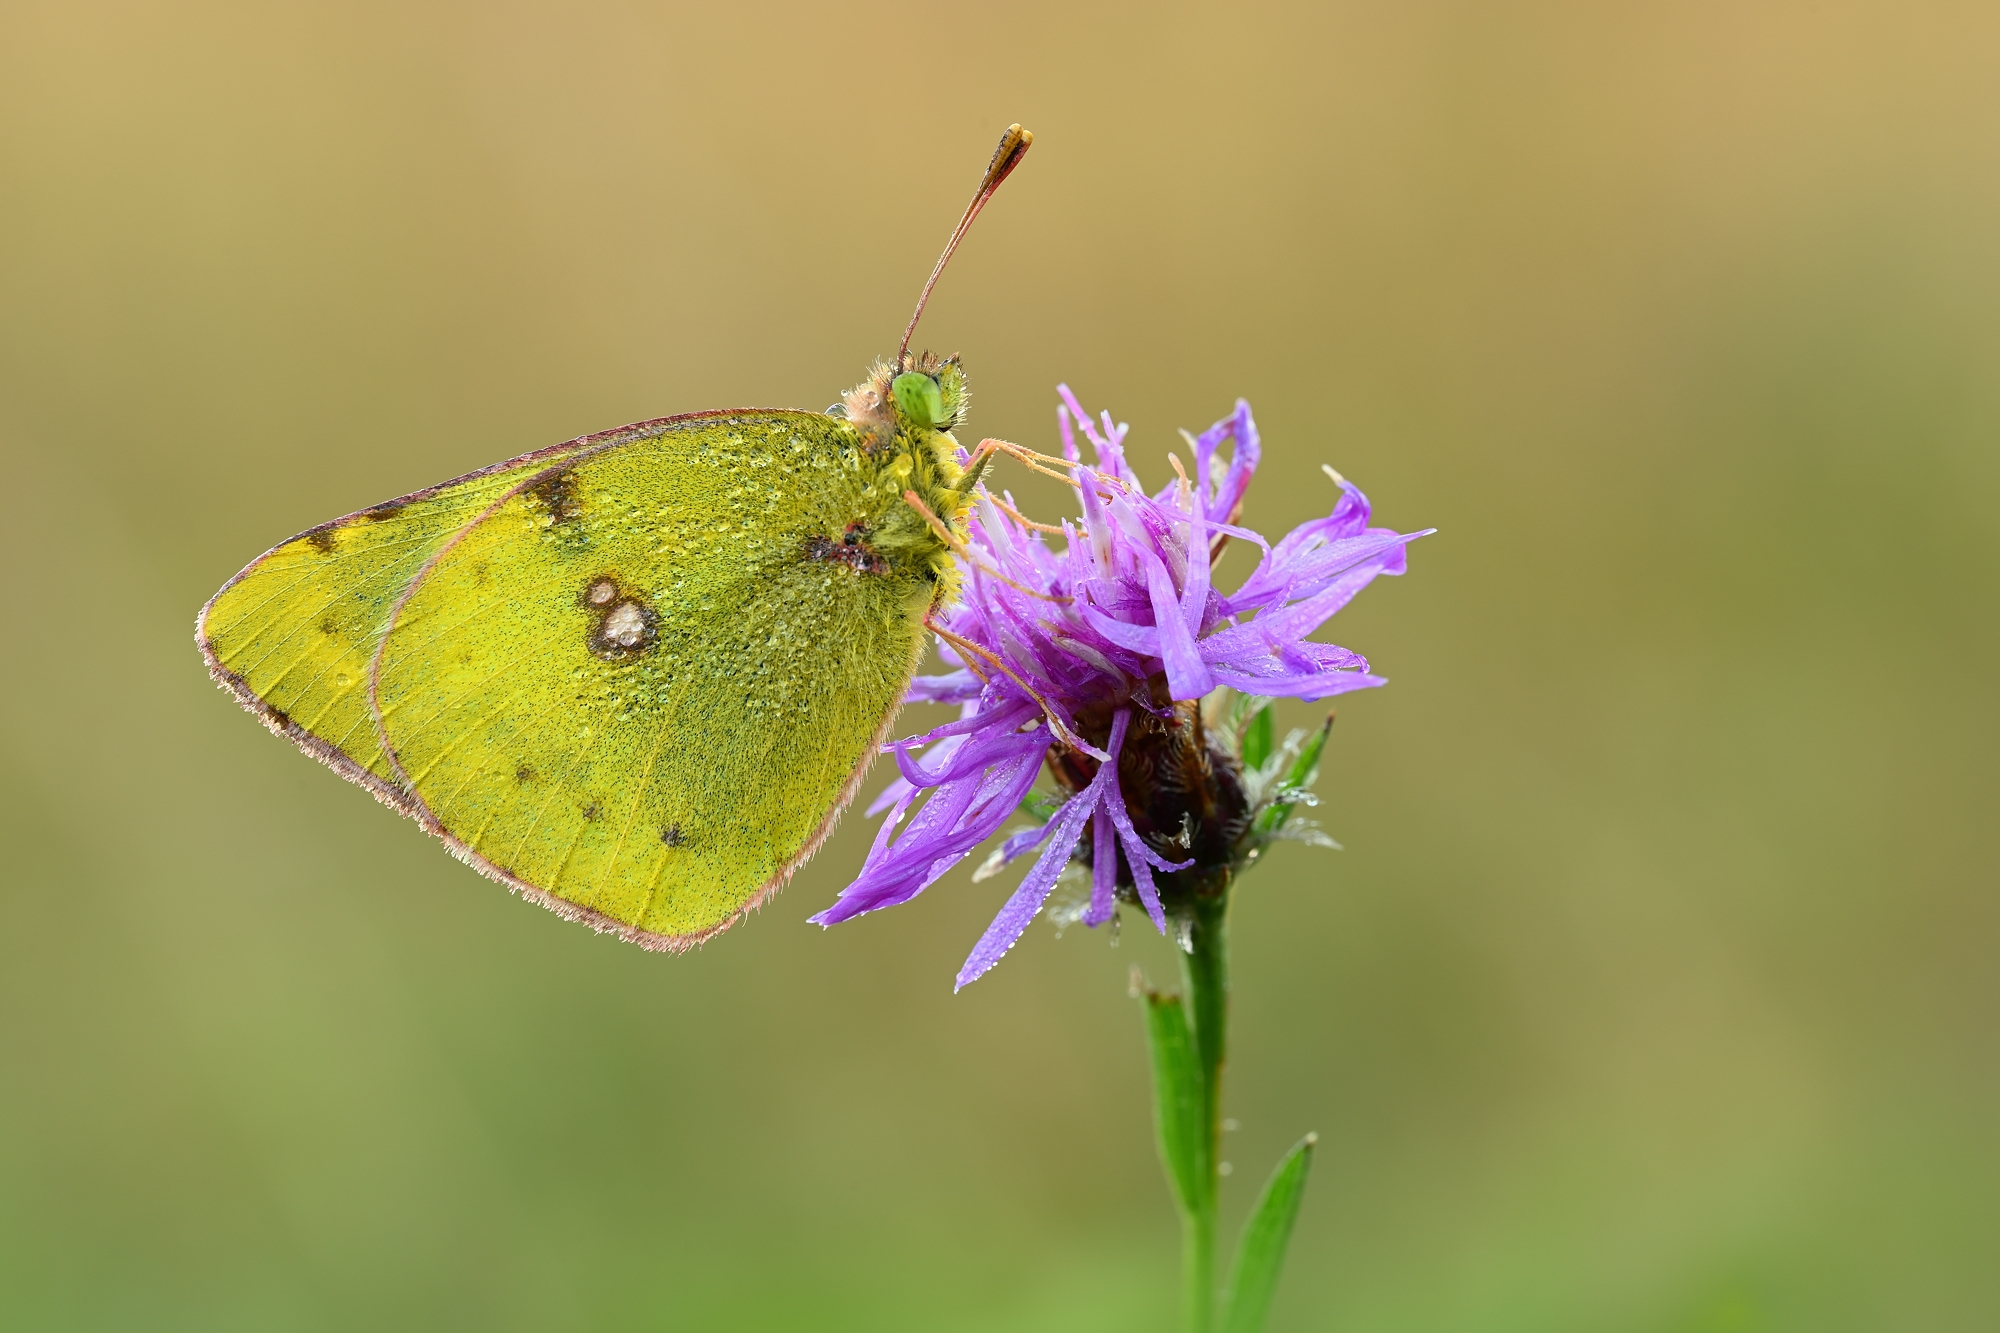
[
  {"x": 919, "y": 395},
  {"x": 930, "y": 392}
]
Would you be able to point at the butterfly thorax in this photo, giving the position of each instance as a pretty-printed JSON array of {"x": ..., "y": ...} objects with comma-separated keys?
[{"x": 905, "y": 413}]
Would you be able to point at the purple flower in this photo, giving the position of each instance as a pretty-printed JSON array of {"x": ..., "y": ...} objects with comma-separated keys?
[{"x": 1082, "y": 651}]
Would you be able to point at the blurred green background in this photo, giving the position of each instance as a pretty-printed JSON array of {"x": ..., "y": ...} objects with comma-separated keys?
[{"x": 1657, "y": 988}]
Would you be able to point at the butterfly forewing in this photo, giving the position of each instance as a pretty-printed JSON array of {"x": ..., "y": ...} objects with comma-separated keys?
[
  {"x": 293, "y": 634},
  {"x": 644, "y": 680}
]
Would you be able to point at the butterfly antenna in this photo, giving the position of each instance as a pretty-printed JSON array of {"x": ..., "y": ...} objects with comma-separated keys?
[{"x": 1013, "y": 147}]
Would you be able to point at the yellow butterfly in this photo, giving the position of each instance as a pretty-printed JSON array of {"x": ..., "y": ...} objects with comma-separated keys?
[{"x": 638, "y": 675}]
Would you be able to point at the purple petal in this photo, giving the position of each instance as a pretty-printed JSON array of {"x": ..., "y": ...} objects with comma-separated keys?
[
  {"x": 949, "y": 689},
  {"x": 1299, "y": 572},
  {"x": 974, "y": 755},
  {"x": 957, "y": 817},
  {"x": 1103, "y": 868},
  {"x": 1136, "y": 859},
  {"x": 896, "y": 809},
  {"x": 898, "y": 790},
  {"x": 1141, "y": 859},
  {"x": 1136, "y": 638},
  {"x": 1149, "y": 893},
  {"x": 1298, "y": 686},
  {"x": 1296, "y": 620},
  {"x": 1096, "y": 524},
  {"x": 1027, "y": 900},
  {"x": 1109, "y": 443},
  {"x": 1187, "y": 676},
  {"x": 897, "y": 873},
  {"x": 1002, "y": 716},
  {"x": 1137, "y": 854},
  {"x": 1023, "y": 842},
  {"x": 1194, "y": 592},
  {"x": 1076, "y": 648},
  {"x": 1161, "y": 526},
  {"x": 1235, "y": 480}
]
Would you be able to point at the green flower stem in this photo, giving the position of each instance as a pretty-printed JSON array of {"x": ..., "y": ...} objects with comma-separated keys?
[
  {"x": 1198, "y": 1267},
  {"x": 1205, "y": 979},
  {"x": 1188, "y": 1034}
]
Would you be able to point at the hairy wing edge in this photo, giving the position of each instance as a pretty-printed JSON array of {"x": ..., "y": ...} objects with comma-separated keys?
[{"x": 407, "y": 802}]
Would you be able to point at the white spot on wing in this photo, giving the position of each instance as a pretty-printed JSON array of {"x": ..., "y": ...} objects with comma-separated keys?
[{"x": 625, "y": 627}]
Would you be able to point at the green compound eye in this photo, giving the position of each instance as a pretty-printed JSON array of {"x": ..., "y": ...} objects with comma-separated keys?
[{"x": 918, "y": 398}]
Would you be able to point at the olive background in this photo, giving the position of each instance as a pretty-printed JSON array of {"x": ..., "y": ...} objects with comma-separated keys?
[{"x": 1656, "y": 988}]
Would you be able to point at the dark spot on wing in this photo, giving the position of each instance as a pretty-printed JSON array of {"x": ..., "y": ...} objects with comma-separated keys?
[
  {"x": 383, "y": 511},
  {"x": 671, "y": 835},
  {"x": 592, "y": 813},
  {"x": 281, "y": 719},
  {"x": 556, "y": 495},
  {"x": 328, "y": 625},
  {"x": 851, "y": 550},
  {"x": 321, "y": 540},
  {"x": 525, "y": 773}
]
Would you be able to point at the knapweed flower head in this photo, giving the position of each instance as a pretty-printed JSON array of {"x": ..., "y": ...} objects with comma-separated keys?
[{"x": 1084, "y": 651}]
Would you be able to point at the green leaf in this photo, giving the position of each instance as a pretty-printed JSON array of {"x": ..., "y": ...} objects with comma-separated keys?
[
  {"x": 1257, "y": 740},
  {"x": 1304, "y": 772},
  {"x": 1262, "y": 1251},
  {"x": 1232, "y": 711},
  {"x": 1041, "y": 806},
  {"x": 1305, "y": 769},
  {"x": 1179, "y": 1108}
]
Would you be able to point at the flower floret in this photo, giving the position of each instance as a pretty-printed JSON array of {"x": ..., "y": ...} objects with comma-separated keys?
[{"x": 1085, "y": 655}]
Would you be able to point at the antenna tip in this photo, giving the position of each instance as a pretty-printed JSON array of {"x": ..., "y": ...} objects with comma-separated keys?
[{"x": 1013, "y": 147}]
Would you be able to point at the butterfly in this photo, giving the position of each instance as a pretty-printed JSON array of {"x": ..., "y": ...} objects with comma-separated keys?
[{"x": 635, "y": 676}]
